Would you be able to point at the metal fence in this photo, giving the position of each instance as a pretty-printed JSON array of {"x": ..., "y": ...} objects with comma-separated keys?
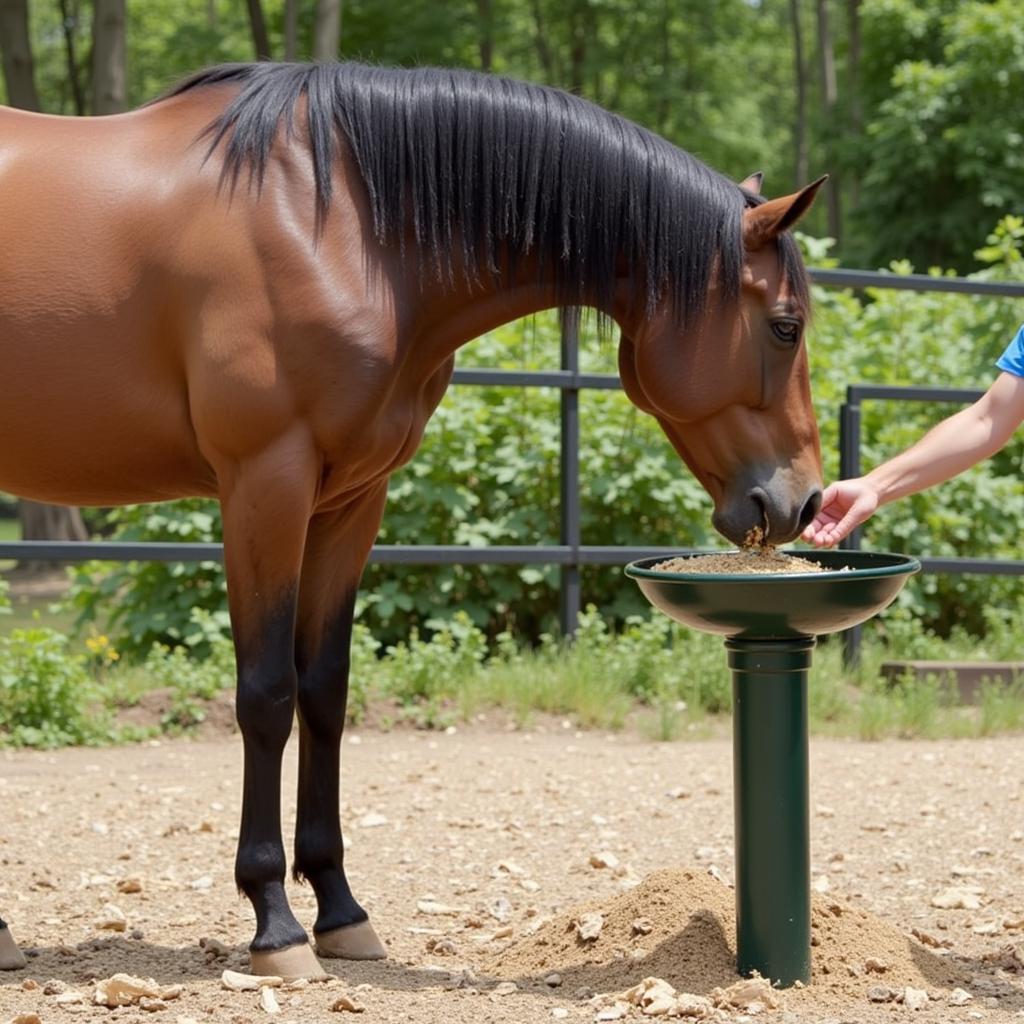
[{"x": 570, "y": 554}]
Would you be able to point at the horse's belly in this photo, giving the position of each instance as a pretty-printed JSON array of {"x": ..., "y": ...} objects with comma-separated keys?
[{"x": 73, "y": 446}]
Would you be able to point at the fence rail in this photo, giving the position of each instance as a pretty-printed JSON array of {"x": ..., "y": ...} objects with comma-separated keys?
[{"x": 570, "y": 554}]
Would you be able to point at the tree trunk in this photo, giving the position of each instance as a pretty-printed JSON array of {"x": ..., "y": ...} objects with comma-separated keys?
[
  {"x": 16, "y": 44},
  {"x": 853, "y": 86},
  {"x": 547, "y": 62},
  {"x": 800, "y": 75},
  {"x": 291, "y": 29},
  {"x": 69, "y": 19},
  {"x": 38, "y": 522},
  {"x": 258, "y": 24},
  {"x": 108, "y": 56},
  {"x": 829, "y": 96},
  {"x": 485, "y": 16},
  {"x": 48, "y": 522},
  {"x": 327, "y": 30}
]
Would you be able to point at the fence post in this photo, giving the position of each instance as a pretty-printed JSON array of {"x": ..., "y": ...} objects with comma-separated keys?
[
  {"x": 849, "y": 466},
  {"x": 569, "y": 477}
]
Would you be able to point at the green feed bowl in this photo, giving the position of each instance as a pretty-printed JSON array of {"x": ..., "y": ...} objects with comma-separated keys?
[{"x": 777, "y": 606}]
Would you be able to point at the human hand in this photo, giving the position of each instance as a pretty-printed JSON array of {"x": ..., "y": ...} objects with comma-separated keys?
[{"x": 844, "y": 506}]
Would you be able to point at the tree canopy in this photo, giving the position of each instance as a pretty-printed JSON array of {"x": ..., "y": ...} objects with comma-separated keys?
[{"x": 916, "y": 107}]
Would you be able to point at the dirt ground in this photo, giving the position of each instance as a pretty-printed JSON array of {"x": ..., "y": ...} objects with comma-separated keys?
[{"x": 461, "y": 846}]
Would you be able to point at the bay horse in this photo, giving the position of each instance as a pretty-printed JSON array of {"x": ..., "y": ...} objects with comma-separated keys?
[{"x": 253, "y": 289}]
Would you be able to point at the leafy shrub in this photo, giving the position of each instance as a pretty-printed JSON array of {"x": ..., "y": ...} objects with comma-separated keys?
[
  {"x": 145, "y": 603},
  {"x": 47, "y": 696}
]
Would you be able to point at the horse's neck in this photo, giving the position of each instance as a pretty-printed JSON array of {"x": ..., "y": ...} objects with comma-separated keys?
[{"x": 449, "y": 317}]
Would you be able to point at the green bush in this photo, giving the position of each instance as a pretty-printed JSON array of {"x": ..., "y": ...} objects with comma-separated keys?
[{"x": 48, "y": 698}]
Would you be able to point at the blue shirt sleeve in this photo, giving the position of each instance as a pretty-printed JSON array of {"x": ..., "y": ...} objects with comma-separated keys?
[{"x": 1012, "y": 360}]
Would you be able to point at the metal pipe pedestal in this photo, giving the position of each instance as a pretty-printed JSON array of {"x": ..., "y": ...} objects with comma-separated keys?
[{"x": 770, "y": 775}]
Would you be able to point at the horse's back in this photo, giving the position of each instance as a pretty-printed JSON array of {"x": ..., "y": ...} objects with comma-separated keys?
[{"x": 91, "y": 211}]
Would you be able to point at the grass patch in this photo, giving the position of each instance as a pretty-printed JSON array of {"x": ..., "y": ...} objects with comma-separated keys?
[{"x": 663, "y": 682}]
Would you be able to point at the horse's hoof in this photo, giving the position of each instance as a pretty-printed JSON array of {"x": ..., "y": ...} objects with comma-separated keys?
[
  {"x": 11, "y": 958},
  {"x": 352, "y": 942},
  {"x": 289, "y": 963}
]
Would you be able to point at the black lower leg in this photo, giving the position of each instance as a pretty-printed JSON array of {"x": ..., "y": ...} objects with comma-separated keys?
[
  {"x": 3, "y": 924},
  {"x": 265, "y": 708},
  {"x": 319, "y": 850}
]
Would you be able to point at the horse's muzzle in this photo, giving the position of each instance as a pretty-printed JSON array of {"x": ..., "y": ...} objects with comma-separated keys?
[{"x": 779, "y": 514}]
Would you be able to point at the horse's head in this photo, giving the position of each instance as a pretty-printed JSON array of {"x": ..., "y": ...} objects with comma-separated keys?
[{"x": 732, "y": 393}]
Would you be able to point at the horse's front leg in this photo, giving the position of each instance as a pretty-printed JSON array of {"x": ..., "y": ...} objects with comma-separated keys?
[
  {"x": 11, "y": 958},
  {"x": 336, "y": 551},
  {"x": 266, "y": 502}
]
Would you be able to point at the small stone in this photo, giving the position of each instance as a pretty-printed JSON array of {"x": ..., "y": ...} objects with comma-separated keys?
[
  {"x": 214, "y": 949},
  {"x": 27, "y": 1018},
  {"x": 372, "y": 820},
  {"x": 54, "y": 987},
  {"x": 504, "y": 932},
  {"x": 500, "y": 909},
  {"x": 29, "y": 985},
  {"x": 70, "y": 996},
  {"x": 129, "y": 885},
  {"x": 875, "y": 966},
  {"x": 927, "y": 939},
  {"x": 589, "y": 926},
  {"x": 614, "y": 1012},
  {"x": 268, "y": 1001},
  {"x": 958, "y": 898},
  {"x": 151, "y": 1005},
  {"x": 604, "y": 860},
  {"x": 506, "y": 867},
  {"x": 438, "y": 909},
  {"x": 641, "y": 926},
  {"x": 505, "y": 988},
  {"x": 237, "y": 982},
  {"x": 443, "y": 946},
  {"x": 201, "y": 884},
  {"x": 880, "y": 994},
  {"x": 553, "y": 980},
  {"x": 959, "y": 997},
  {"x": 915, "y": 998},
  {"x": 559, "y": 1013},
  {"x": 112, "y": 918},
  {"x": 346, "y": 1004}
]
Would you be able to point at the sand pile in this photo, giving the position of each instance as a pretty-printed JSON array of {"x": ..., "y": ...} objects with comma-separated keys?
[{"x": 679, "y": 926}]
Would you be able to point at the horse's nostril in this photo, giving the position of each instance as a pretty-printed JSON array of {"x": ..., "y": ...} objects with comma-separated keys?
[{"x": 810, "y": 509}]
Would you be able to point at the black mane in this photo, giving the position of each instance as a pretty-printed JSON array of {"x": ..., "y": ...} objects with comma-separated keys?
[{"x": 494, "y": 169}]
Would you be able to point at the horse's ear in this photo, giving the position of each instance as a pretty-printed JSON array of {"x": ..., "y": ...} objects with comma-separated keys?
[
  {"x": 763, "y": 223},
  {"x": 752, "y": 183}
]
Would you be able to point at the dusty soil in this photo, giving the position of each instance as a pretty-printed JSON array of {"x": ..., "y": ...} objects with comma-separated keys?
[{"x": 477, "y": 854}]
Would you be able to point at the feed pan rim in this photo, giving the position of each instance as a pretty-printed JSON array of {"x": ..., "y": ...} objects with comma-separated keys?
[{"x": 906, "y": 565}]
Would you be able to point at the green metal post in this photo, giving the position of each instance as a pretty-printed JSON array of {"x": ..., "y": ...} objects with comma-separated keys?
[{"x": 773, "y": 866}]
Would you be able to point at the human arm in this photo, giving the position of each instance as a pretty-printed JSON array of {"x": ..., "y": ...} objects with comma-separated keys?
[{"x": 955, "y": 444}]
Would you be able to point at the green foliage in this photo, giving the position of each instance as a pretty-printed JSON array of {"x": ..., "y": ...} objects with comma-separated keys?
[
  {"x": 946, "y": 129},
  {"x": 147, "y": 603},
  {"x": 47, "y": 696},
  {"x": 191, "y": 680}
]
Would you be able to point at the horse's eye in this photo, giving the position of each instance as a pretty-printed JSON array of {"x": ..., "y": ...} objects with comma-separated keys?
[{"x": 786, "y": 331}]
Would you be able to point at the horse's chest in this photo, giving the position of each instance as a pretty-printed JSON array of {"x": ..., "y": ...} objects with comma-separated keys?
[{"x": 373, "y": 443}]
